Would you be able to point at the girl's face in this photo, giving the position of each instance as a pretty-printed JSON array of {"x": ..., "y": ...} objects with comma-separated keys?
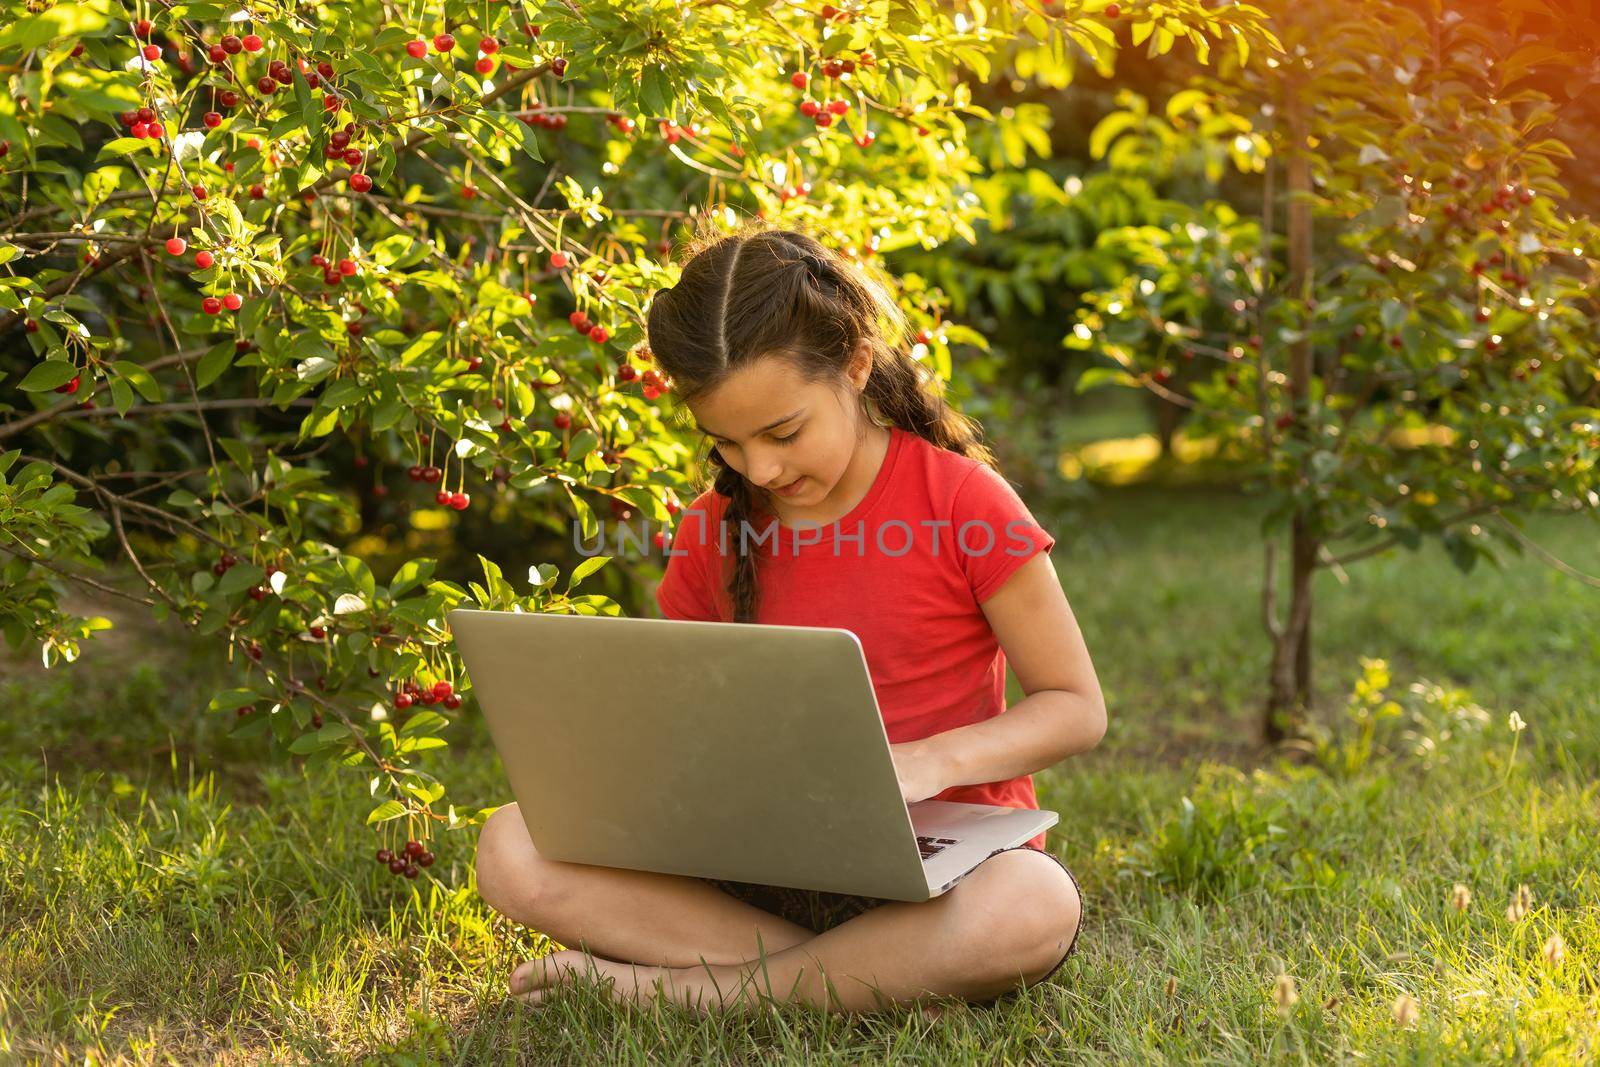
[{"x": 798, "y": 441}]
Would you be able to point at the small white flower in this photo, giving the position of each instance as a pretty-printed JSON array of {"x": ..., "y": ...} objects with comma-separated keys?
[{"x": 1516, "y": 723}]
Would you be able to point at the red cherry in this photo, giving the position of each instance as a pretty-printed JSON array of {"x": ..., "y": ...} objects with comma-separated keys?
[
  {"x": 627, "y": 372},
  {"x": 558, "y": 260},
  {"x": 360, "y": 182},
  {"x": 352, "y": 156},
  {"x": 325, "y": 69},
  {"x": 69, "y": 387},
  {"x": 839, "y": 107},
  {"x": 451, "y": 703},
  {"x": 258, "y": 191},
  {"x": 426, "y": 859},
  {"x": 444, "y": 42},
  {"x": 402, "y": 701},
  {"x": 257, "y": 592},
  {"x": 799, "y": 79},
  {"x": 488, "y": 46},
  {"x": 443, "y": 498},
  {"x": 474, "y": 363},
  {"x": 397, "y": 865},
  {"x": 152, "y": 52},
  {"x": 318, "y": 632},
  {"x": 559, "y": 65},
  {"x": 809, "y": 108},
  {"x": 211, "y": 305},
  {"x": 217, "y": 54},
  {"x": 233, "y": 301},
  {"x": 232, "y": 45},
  {"x": 266, "y": 85},
  {"x": 823, "y": 119},
  {"x": 484, "y": 65},
  {"x": 832, "y": 68},
  {"x": 212, "y": 119},
  {"x": 460, "y": 501},
  {"x": 157, "y": 131},
  {"x": 415, "y": 848},
  {"x": 865, "y": 138},
  {"x": 252, "y": 43},
  {"x": 417, "y": 49},
  {"x": 227, "y": 98},
  {"x": 562, "y": 420},
  {"x": 141, "y": 29},
  {"x": 1113, "y": 10},
  {"x": 411, "y": 871},
  {"x": 599, "y": 335},
  {"x": 431, "y": 474},
  {"x": 414, "y": 472},
  {"x": 141, "y": 130},
  {"x": 348, "y": 266},
  {"x": 176, "y": 246},
  {"x": 384, "y": 855}
]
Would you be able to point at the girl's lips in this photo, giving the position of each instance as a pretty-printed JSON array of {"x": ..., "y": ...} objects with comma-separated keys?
[{"x": 791, "y": 488}]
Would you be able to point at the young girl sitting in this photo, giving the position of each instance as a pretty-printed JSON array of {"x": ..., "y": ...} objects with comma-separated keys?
[{"x": 848, "y": 494}]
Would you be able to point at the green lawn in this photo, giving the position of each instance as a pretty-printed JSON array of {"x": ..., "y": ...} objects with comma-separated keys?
[{"x": 167, "y": 895}]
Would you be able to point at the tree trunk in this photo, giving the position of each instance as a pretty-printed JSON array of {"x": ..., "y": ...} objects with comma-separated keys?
[{"x": 1290, "y": 683}]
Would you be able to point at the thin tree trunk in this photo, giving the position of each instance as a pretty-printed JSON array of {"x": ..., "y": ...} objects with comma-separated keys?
[{"x": 1290, "y": 683}]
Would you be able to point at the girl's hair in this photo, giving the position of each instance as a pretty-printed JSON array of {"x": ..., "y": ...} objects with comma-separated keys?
[{"x": 761, "y": 291}]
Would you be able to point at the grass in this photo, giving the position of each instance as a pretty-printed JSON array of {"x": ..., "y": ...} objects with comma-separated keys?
[{"x": 168, "y": 895}]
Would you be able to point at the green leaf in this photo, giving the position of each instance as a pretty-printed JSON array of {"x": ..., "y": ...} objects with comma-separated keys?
[
  {"x": 139, "y": 378},
  {"x": 214, "y": 362},
  {"x": 232, "y": 699},
  {"x": 586, "y": 568},
  {"x": 411, "y": 573},
  {"x": 389, "y": 809},
  {"x": 48, "y": 375},
  {"x": 1095, "y": 377}
]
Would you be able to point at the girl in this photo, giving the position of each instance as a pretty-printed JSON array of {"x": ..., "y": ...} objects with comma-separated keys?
[{"x": 839, "y": 467}]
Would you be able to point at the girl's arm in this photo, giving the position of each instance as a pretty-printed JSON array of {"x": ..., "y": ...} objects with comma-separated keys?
[{"x": 1063, "y": 713}]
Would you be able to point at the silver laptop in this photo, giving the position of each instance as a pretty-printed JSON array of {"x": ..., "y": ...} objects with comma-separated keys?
[{"x": 748, "y": 752}]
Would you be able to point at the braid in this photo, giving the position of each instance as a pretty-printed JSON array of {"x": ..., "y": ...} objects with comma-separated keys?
[{"x": 743, "y": 590}]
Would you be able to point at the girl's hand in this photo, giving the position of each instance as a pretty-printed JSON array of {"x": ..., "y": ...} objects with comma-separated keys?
[{"x": 918, "y": 772}]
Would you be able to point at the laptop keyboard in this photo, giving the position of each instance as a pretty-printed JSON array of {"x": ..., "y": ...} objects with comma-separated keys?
[{"x": 932, "y": 846}]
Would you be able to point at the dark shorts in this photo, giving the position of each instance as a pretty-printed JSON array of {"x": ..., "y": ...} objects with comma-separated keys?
[{"x": 819, "y": 910}]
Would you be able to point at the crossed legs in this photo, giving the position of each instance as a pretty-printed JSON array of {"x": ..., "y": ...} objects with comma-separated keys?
[{"x": 650, "y": 935}]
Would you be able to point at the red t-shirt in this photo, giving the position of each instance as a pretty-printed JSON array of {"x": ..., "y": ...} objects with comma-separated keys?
[{"x": 936, "y": 535}]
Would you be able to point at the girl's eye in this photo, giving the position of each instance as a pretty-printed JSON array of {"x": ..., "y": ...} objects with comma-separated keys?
[{"x": 779, "y": 440}]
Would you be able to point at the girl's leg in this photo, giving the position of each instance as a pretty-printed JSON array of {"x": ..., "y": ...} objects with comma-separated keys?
[
  {"x": 637, "y": 916},
  {"x": 1008, "y": 922}
]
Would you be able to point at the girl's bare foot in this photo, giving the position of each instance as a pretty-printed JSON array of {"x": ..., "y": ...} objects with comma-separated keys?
[{"x": 534, "y": 980}]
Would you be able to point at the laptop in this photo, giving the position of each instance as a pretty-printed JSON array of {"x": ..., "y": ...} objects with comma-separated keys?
[{"x": 742, "y": 751}]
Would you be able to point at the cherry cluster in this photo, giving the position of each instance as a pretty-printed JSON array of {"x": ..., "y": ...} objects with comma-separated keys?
[
  {"x": 408, "y": 861},
  {"x": 580, "y": 322},
  {"x": 441, "y": 692}
]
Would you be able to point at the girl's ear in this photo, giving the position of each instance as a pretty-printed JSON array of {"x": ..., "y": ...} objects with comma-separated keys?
[{"x": 860, "y": 363}]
